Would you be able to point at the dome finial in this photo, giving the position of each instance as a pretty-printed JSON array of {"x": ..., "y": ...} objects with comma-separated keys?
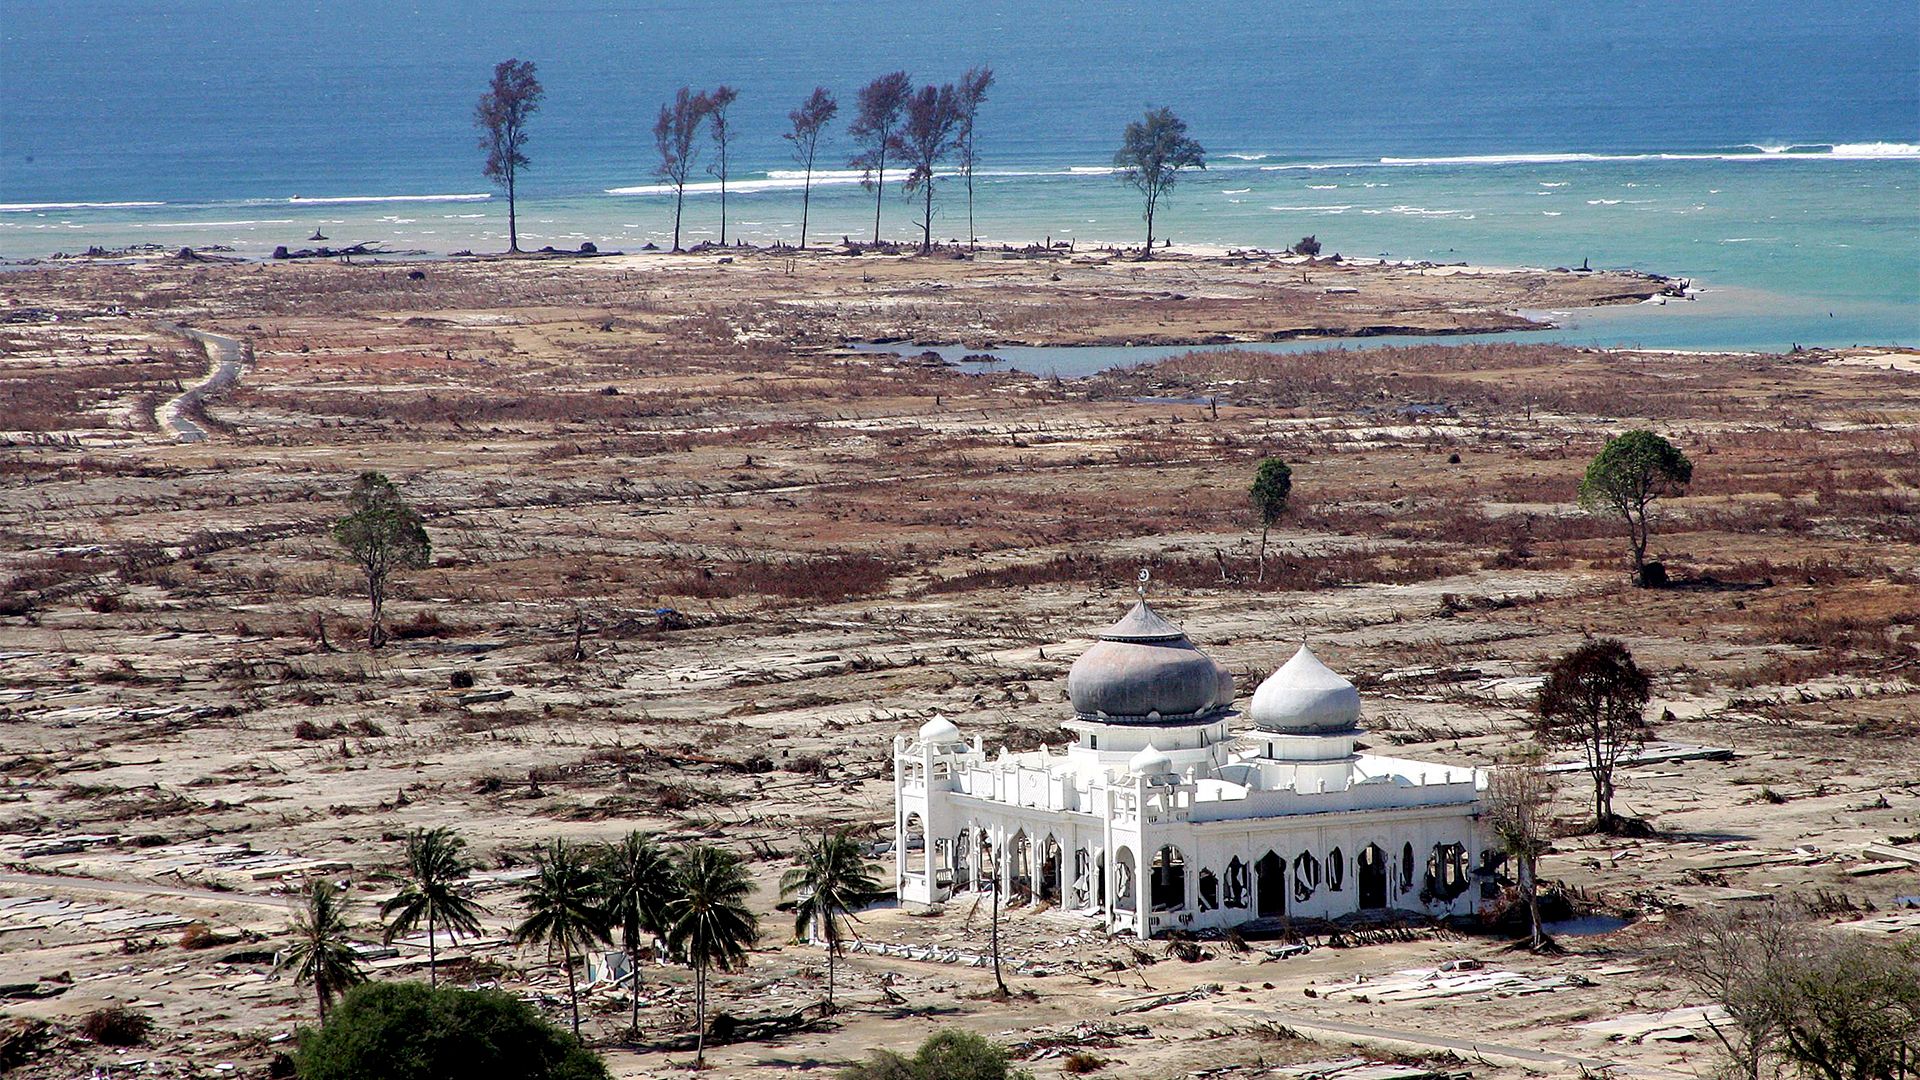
[{"x": 1145, "y": 580}]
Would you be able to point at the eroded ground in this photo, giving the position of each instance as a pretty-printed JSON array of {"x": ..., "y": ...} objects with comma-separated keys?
[{"x": 774, "y": 554}]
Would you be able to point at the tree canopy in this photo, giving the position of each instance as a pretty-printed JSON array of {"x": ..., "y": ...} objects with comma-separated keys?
[
  {"x": 1154, "y": 150},
  {"x": 512, "y": 97},
  {"x": 409, "y": 1031},
  {"x": 1625, "y": 478},
  {"x": 1272, "y": 487}
]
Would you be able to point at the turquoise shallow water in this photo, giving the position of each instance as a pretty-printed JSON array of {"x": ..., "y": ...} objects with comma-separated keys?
[{"x": 1490, "y": 131}]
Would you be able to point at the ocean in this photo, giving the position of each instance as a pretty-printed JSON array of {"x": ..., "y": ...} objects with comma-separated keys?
[{"x": 1769, "y": 152}]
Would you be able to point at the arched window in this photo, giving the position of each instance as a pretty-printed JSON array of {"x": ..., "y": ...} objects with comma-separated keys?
[
  {"x": 1306, "y": 876},
  {"x": 1406, "y": 867},
  {"x": 1209, "y": 891},
  {"x": 1336, "y": 870},
  {"x": 1236, "y": 883},
  {"x": 1446, "y": 873}
]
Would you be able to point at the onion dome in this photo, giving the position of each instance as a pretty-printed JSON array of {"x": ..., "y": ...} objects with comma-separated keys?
[
  {"x": 1143, "y": 670},
  {"x": 939, "y": 731},
  {"x": 1305, "y": 697},
  {"x": 1150, "y": 762}
]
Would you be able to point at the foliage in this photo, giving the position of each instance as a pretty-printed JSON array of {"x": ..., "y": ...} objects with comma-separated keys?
[
  {"x": 718, "y": 102},
  {"x": 1519, "y": 794},
  {"x": 320, "y": 955},
  {"x": 928, "y": 134},
  {"x": 408, "y": 1031},
  {"x": 1154, "y": 150},
  {"x": 947, "y": 1055},
  {"x": 1626, "y": 477},
  {"x": 1595, "y": 698},
  {"x": 563, "y": 910},
  {"x": 881, "y": 105},
  {"x": 117, "y": 1025},
  {"x": 1308, "y": 246},
  {"x": 833, "y": 880},
  {"x": 636, "y": 879},
  {"x": 381, "y": 534},
  {"x": 435, "y": 867},
  {"x": 674, "y": 133},
  {"x": 809, "y": 122},
  {"x": 512, "y": 97},
  {"x": 708, "y": 922}
]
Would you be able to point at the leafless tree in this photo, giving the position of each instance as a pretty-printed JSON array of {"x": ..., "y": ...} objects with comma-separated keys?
[
  {"x": 1519, "y": 798},
  {"x": 809, "y": 123},
  {"x": 717, "y": 103},
  {"x": 882, "y": 102},
  {"x": 675, "y": 135},
  {"x": 512, "y": 97},
  {"x": 1724, "y": 956}
]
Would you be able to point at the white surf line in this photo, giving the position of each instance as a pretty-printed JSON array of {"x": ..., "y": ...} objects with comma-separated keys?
[{"x": 224, "y": 358}]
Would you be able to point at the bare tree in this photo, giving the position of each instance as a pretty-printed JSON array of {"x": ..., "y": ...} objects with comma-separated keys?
[
  {"x": 1595, "y": 698},
  {"x": 973, "y": 93},
  {"x": 501, "y": 116},
  {"x": 1725, "y": 954},
  {"x": 1519, "y": 794},
  {"x": 1154, "y": 150},
  {"x": 809, "y": 123},
  {"x": 717, "y": 103},
  {"x": 882, "y": 102},
  {"x": 674, "y": 135},
  {"x": 925, "y": 138}
]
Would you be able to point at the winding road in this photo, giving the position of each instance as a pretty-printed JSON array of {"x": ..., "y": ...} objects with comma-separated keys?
[{"x": 225, "y": 356}]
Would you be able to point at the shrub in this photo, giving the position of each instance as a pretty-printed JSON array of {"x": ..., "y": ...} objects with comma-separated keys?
[
  {"x": 948, "y": 1055},
  {"x": 117, "y": 1025},
  {"x": 408, "y": 1031},
  {"x": 1308, "y": 246}
]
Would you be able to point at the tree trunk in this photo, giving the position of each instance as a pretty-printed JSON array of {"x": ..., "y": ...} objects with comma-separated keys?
[
  {"x": 806, "y": 198},
  {"x": 320, "y": 992},
  {"x": 831, "y": 949},
  {"x": 1264, "y": 530},
  {"x": 433, "y": 953},
  {"x": 973, "y": 241},
  {"x": 723, "y": 206},
  {"x": 879, "y": 192},
  {"x": 679, "y": 200},
  {"x": 1530, "y": 884},
  {"x": 633, "y": 984},
  {"x": 926, "y": 223},
  {"x": 573, "y": 995},
  {"x": 699, "y": 1017},
  {"x": 998, "y": 980},
  {"x": 377, "y": 600},
  {"x": 513, "y": 220},
  {"x": 1149, "y": 252}
]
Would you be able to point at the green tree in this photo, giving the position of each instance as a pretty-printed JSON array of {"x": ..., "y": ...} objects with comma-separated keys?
[
  {"x": 1624, "y": 480},
  {"x": 637, "y": 878},
  {"x": 1851, "y": 1010},
  {"x": 436, "y": 866},
  {"x": 947, "y": 1055},
  {"x": 926, "y": 136},
  {"x": 832, "y": 881},
  {"x": 381, "y": 534},
  {"x": 675, "y": 134},
  {"x": 564, "y": 911},
  {"x": 973, "y": 94},
  {"x": 718, "y": 102},
  {"x": 1154, "y": 150},
  {"x": 1595, "y": 698},
  {"x": 1272, "y": 486},
  {"x": 320, "y": 955},
  {"x": 407, "y": 1031},
  {"x": 708, "y": 923},
  {"x": 1519, "y": 794},
  {"x": 501, "y": 116}
]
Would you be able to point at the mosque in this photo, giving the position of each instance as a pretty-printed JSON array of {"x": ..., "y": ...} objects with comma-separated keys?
[{"x": 1157, "y": 816}]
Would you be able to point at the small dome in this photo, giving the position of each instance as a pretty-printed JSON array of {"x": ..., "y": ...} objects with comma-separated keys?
[
  {"x": 1305, "y": 697},
  {"x": 1150, "y": 762},
  {"x": 939, "y": 731},
  {"x": 1144, "y": 670}
]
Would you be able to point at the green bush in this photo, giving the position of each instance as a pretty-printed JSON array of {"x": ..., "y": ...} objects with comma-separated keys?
[
  {"x": 949, "y": 1055},
  {"x": 408, "y": 1031}
]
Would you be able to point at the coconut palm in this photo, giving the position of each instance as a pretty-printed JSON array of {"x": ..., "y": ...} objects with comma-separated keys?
[
  {"x": 832, "y": 881},
  {"x": 563, "y": 911},
  {"x": 435, "y": 867},
  {"x": 637, "y": 879},
  {"x": 708, "y": 924},
  {"x": 320, "y": 954}
]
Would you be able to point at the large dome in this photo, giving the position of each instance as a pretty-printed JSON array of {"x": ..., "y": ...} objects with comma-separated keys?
[
  {"x": 1144, "y": 670},
  {"x": 1305, "y": 697}
]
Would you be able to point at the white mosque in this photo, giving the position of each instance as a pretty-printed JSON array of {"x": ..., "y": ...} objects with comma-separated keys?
[{"x": 1156, "y": 816}]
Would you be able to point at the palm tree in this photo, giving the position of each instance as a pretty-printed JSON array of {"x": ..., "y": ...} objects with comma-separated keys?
[
  {"x": 637, "y": 877},
  {"x": 320, "y": 953},
  {"x": 708, "y": 924},
  {"x": 435, "y": 867},
  {"x": 833, "y": 880},
  {"x": 563, "y": 911}
]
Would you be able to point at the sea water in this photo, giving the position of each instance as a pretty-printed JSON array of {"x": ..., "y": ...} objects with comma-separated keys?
[{"x": 1769, "y": 152}]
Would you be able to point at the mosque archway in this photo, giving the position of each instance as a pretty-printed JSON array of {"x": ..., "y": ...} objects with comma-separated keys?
[
  {"x": 1123, "y": 883},
  {"x": 1050, "y": 870},
  {"x": 1270, "y": 886},
  {"x": 1168, "y": 876},
  {"x": 1371, "y": 868}
]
